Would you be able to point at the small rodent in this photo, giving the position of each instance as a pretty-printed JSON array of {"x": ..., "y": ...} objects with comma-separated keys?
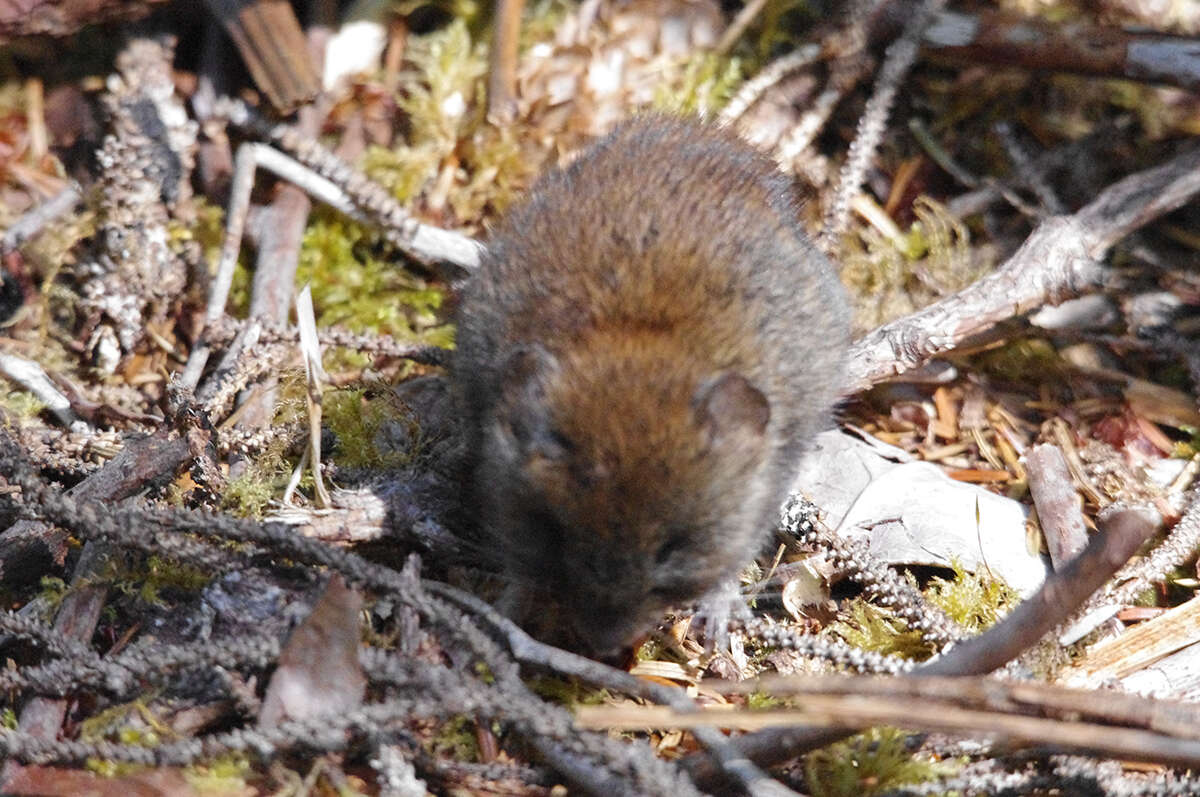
[{"x": 648, "y": 345}]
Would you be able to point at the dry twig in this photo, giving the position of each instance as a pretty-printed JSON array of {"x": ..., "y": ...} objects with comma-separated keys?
[{"x": 1060, "y": 259}]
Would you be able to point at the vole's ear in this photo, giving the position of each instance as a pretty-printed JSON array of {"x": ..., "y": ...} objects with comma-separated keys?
[
  {"x": 522, "y": 410},
  {"x": 731, "y": 410}
]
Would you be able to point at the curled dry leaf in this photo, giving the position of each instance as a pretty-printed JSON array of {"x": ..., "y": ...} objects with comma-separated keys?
[
  {"x": 915, "y": 514},
  {"x": 318, "y": 671}
]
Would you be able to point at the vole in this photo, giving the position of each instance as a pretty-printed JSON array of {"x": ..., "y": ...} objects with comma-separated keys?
[{"x": 649, "y": 343}]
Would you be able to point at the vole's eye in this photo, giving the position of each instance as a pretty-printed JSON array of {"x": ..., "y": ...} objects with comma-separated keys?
[
  {"x": 676, "y": 541},
  {"x": 537, "y": 439},
  {"x": 545, "y": 525}
]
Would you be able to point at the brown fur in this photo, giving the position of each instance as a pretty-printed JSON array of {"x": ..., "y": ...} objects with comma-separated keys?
[{"x": 649, "y": 343}]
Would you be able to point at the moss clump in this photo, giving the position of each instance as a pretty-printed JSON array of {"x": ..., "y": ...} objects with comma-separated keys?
[
  {"x": 878, "y": 630},
  {"x": 402, "y": 171},
  {"x": 909, "y": 269},
  {"x": 780, "y": 29},
  {"x": 22, "y": 405},
  {"x": 128, "y": 723},
  {"x": 205, "y": 228},
  {"x": 973, "y": 600},
  {"x": 146, "y": 580},
  {"x": 1186, "y": 449},
  {"x": 567, "y": 692},
  {"x": 474, "y": 168},
  {"x": 264, "y": 478},
  {"x": 873, "y": 762},
  {"x": 499, "y": 170},
  {"x": 542, "y": 20},
  {"x": 55, "y": 246},
  {"x": 650, "y": 650},
  {"x": 706, "y": 83},
  {"x": 448, "y": 80},
  {"x": 53, "y": 590},
  {"x": 373, "y": 429},
  {"x": 225, "y": 774},
  {"x": 456, "y": 740},
  {"x": 1015, "y": 361},
  {"x": 353, "y": 285},
  {"x": 442, "y": 99},
  {"x": 761, "y": 701}
]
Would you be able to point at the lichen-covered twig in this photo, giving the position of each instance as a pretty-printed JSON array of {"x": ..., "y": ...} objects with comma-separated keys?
[
  {"x": 1063, "y": 592},
  {"x": 369, "y": 343},
  {"x": 1041, "y": 46},
  {"x": 853, "y": 557},
  {"x": 899, "y": 58},
  {"x": 424, "y": 243},
  {"x": 1179, "y": 546},
  {"x": 140, "y": 463},
  {"x": 597, "y": 763},
  {"x": 1060, "y": 259},
  {"x": 753, "y": 89},
  {"x": 831, "y": 650}
]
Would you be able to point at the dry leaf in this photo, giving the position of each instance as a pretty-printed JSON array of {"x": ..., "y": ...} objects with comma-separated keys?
[{"x": 318, "y": 671}]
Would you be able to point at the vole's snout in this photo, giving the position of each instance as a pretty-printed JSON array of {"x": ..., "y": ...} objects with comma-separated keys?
[{"x": 606, "y": 630}]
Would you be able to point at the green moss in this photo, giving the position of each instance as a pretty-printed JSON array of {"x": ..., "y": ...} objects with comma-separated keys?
[
  {"x": 650, "y": 650},
  {"x": 444, "y": 97},
  {"x": 128, "y": 723},
  {"x": 1147, "y": 598},
  {"x": 449, "y": 71},
  {"x": 542, "y": 20},
  {"x": 55, "y": 246},
  {"x": 909, "y": 269},
  {"x": 206, "y": 228},
  {"x": 113, "y": 769},
  {"x": 238, "y": 304},
  {"x": 761, "y": 701},
  {"x": 877, "y": 629},
  {"x": 224, "y": 774},
  {"x": 498, "y": 168},
  {"x": 402, "y": 171},
  {"x": 873, "y": 267},
  {"x": 146, "y": 579},
  {"x": 779, "y": 29},
  {"x": 354, "y": 286},
  {"x": 264, "y": 478},
  {"x": 365, "y": 422},
  {"x": 24, "y": 406},
  {"x": 1018, "y": 359},
  {"x": 456, "y": 740},
  {"x": 53, "y": 590},
  {"x": 973, "y": 600},
  {"x": 873, "y": 762},
  {"x": 8, "y": 718},
  {"x": 484, "y": 673},
  {"x": 705, "y": 84},
  {"x": 1186, "y": 449},
  {"x": 567, "y": 692}
]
